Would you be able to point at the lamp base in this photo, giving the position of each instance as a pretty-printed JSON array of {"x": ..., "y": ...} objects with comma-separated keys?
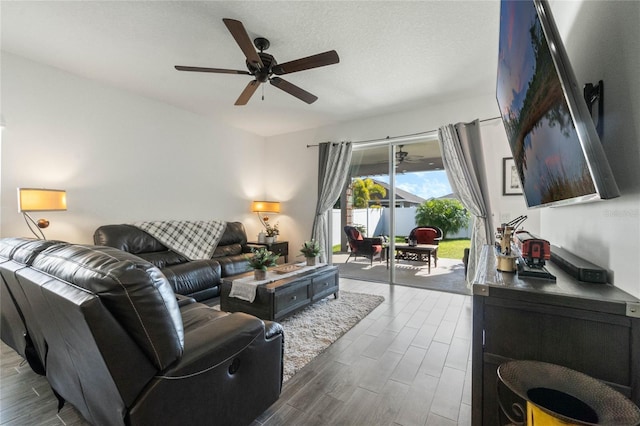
[{"x": 35, "y": 226}]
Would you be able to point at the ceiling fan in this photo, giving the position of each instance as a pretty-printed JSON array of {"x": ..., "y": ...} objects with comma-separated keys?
[
  {"x": 404, "y": 156},
  {"x": 263, "y": 66}
]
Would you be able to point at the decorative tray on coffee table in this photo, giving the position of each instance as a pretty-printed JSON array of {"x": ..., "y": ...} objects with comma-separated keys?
[{"x": 285, "y": 269}]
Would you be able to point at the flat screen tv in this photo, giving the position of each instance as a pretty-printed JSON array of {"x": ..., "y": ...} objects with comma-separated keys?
[{"x": 555, "y": 146}]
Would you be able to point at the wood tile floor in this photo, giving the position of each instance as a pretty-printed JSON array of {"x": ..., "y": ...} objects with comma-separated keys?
[{"x": 406, "y": 363}]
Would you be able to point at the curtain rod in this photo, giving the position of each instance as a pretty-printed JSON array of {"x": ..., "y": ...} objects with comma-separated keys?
[{"x": 390, "y": 138}]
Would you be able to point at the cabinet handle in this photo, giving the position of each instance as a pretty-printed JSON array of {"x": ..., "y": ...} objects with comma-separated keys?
[
  {"x": 326, "y": 284},
  {"x": 294, "y": 297}
]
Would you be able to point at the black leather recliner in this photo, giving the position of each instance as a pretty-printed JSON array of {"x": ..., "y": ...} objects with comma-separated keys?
[
  {"x": 115, "y": 342},
  {"x": 199, "y": 279}
]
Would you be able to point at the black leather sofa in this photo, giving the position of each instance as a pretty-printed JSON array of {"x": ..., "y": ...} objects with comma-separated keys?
[
  {"x": 199, "y": 279},
  {"x": 115, "y": 341}
]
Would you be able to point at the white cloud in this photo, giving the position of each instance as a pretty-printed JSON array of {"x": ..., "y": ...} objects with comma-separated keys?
[{"x": 425, "y": 184}]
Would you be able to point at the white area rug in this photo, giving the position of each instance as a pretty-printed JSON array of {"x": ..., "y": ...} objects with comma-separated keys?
[{"x": 312, "y": 330}]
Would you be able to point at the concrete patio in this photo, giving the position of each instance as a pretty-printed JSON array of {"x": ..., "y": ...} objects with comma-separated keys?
[{"x": 447, "y": 276}]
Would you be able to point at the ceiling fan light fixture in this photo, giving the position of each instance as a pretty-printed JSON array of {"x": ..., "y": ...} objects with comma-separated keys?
[
  {"x": 400, "y": 155},
  {"x": 263, "y": 66}
]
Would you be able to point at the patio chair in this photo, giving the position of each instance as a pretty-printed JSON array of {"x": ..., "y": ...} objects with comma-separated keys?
[
  {"x": 362, "y": 246},
  {"x": 423, "y": 235}
]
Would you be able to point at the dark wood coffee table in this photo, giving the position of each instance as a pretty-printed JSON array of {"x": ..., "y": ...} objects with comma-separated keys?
[
  {"x": 283, "y": 297},
  {"x": 419, "y": 253}
]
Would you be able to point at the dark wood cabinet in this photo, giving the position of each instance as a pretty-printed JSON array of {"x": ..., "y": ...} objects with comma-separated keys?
[{"x": 591, "y": 328}]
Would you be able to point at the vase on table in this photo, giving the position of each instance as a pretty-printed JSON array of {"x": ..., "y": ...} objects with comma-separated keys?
[
  {"x": 259, "y": 274},
  {"x": 269, "y": 240},
  {"x": 311, "y": 261}
]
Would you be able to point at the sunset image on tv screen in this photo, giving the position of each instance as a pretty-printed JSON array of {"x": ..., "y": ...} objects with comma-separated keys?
[{"x": 545, "y": 146}]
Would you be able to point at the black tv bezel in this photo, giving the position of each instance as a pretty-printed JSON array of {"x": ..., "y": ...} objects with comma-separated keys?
[{"x": 597, "y": 162}]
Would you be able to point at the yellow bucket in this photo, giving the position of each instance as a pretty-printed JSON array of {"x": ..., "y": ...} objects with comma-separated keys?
[{"x": 537, "y": 417}]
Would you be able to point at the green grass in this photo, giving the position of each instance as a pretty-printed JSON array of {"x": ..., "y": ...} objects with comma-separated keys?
[
  {"x": 453, "y": 249},
  {"x": 448, "y": 249}
]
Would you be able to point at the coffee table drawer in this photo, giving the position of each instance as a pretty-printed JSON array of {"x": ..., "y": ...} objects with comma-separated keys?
[
  {"x": 292, "y": 298},
  {"x": 324, "y": 285}
]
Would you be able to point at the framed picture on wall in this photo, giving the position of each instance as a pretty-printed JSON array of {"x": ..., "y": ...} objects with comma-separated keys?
[{"x": 510, "y": 178}]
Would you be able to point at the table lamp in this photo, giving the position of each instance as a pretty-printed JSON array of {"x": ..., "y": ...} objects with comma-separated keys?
[
  {"x": 40, "y": 200},
  {"x": 265, "y": 207}
]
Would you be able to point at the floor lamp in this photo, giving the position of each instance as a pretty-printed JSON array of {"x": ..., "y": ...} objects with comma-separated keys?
[{"x": 40, "y": 200}]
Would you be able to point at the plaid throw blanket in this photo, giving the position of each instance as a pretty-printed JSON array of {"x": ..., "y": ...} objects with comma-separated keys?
[{"x": 192, "y": 239}]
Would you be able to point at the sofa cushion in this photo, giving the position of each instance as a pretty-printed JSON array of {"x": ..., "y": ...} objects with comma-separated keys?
[
  {"x": 228, "y": 250},
  {"x": 162, "y": 259},
  {"x": 193, "y": 276},
  {"x": 234, "y": 233},
  {"x": 233, "y": 265},
  {"x": 23, "y": 250},
  {"x": 133, "y": 290},
  {"x": 127, "y": 238}
]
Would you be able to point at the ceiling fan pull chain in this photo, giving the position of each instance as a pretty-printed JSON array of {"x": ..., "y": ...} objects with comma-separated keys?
[{"x": 263, "y": 92}]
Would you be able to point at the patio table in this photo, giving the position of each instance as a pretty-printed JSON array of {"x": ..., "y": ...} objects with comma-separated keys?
[{"x": 418, "y": 253}]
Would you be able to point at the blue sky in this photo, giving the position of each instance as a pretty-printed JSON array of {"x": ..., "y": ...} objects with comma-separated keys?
[{"x": 423, "y": 184}]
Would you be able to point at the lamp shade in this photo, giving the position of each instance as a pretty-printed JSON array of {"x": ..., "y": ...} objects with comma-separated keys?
[
  {"x": 265, "y": 206},
  {"x": 41, "y": 200}
]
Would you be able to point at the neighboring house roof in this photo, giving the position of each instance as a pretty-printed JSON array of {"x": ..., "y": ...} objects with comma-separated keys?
[
  {"x": 401, "y": 194},
  {"x": 450, "y": 195}
]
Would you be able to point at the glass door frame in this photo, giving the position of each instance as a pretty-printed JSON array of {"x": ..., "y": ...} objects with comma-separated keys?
[{"x": 393, "y": 145}]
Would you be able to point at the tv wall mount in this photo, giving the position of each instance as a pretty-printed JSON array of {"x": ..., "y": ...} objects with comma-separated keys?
[{"x": 593, "y": 93}]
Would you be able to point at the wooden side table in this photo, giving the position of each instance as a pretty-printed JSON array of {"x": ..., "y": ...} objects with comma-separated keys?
[{"x": 279, "y": 247}]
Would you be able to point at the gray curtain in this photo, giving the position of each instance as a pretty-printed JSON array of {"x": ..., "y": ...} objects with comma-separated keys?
[
  {"x": 461, "y": 147},
  {"x": 333, "y": 168}
]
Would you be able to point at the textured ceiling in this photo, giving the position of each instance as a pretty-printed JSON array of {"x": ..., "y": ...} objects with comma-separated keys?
[{"x": 394, "y": 55}]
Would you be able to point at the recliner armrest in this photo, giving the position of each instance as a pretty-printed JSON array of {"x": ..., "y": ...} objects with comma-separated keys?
[
  {"x": 272, "y": 329},
  {"x": 229, "y": 372},
  {"x": 184, "y": 300},
  {"x": 248, "y": 247}
]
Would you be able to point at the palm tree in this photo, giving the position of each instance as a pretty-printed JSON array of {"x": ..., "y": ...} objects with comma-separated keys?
[{"x": 365, "y": 190}]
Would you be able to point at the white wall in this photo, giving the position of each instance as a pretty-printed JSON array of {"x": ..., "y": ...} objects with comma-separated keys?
[
  {"x": 505, "y": 208},
  {"x": 121, "y": 157},
  {"x": 601, "y": 39}
]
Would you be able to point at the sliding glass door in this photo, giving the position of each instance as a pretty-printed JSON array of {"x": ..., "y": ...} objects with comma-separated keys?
[
  {"x": 389, "y": 180},
  {"x": 361, "y": 223}
]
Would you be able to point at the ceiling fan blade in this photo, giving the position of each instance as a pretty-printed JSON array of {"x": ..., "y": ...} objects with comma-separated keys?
[
  {"x": 247, "y": 92},
  {"x": 215, "y": 70},
  {"x": 242, "y": 38},
  {"x": 294, "y": 90},
  {"x": 314, "y": 61}
]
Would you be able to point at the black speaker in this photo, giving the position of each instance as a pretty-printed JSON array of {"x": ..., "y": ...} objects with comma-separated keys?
[{"x": 577, "y": 267}]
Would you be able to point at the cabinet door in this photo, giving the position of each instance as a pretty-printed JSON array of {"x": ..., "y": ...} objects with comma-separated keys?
[
  {"x": 280, "y": 248},
  {"x": 594, "y": 343},
  {"x": 598, "y": 344}
]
